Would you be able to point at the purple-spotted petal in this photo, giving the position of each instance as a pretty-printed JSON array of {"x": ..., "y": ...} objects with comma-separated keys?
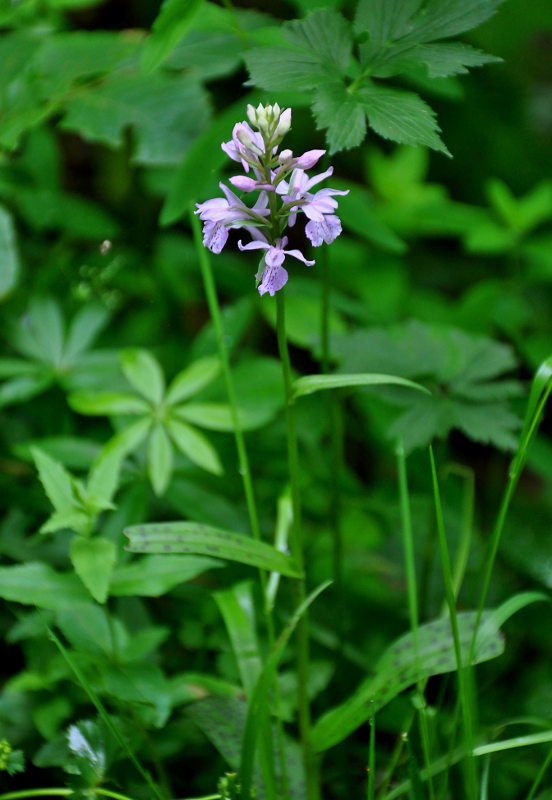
[
  {"x": 275, "y": 257},
  {"x": 215, "y": 235},
  {"x": 274, "y": 278},
  {"x": 324, "y": 231}
]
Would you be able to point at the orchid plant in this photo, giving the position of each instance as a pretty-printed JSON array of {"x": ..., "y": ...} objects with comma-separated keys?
[{"x": 284, "y": 190}]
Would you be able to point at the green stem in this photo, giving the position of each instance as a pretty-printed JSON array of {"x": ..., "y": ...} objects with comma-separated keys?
[
  {"x": 243, "y": 460},
  {"x": 61, "y": 792},
  {"x": 296, "y": 547},
  {"x": 463, "y": 670}
]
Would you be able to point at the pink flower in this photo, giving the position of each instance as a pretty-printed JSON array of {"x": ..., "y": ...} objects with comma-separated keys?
[
  {"x": 316, "y": 206},
  {"x": 219, "y": 214},
  {"x": 274, "y": 276}
]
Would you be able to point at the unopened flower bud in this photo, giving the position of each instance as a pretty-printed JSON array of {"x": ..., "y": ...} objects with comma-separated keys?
[
  {"x": 284, "y": 124},
  {"x": 285, "y": 157}
]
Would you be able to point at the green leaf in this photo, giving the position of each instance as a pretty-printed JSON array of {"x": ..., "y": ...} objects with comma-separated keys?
[
  {"x": 192, "y": 537},
  {"x": 144, "y": 373},
  {"x": 107, "y": 403},
  {"x": 37, "y": 584},
  {"x": 341, "y": 113},
  {"x": 40, "y": 333},
  {"x": 103, "y": 481},
  {"x": 358, "y": 213},
  {"x": 401, "y": 116},
  {"x": 166, "y": 111},
  {"x": 402, "y": 665},
  {"x": 441, "y": 19},
  {"x": 325, "y": 33},
  {"x": 127, "y": 440},
  {"x": 260, "y": 703},
  {"x": 238, "y": 611},
  {"x": 280, "y": 69},
  {"x": 9, "y": 258},
  {"x": 153, "y": 576},
  {"x": 192, "y": 379},
  {"x": 87, "y": 628},
  {"x": 72, "y": 519},
  {"x": 57, "y": 482},
  {"x": 385, "y": 20},
  {"x": 88, "y": 752},
  {"x": 316, "y": 383},
  {"x": 195, "y": 446},
  {"x": 160, "y": 459},
  {"x": 84, "y": 328},
  {"x": 93, "y": 560},
  {"x": 447, "y": 59},
  {"x": 169, "y": 27}
]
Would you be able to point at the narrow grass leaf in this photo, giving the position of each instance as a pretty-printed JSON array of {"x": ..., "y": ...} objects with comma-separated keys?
[
  {"x": 259, "y": 702},
  {"x": 309, "y": 384},
  {"x": 9, "y": 258},
  {"x": 194, "y": 537},
  {"x": 236, "y": 606}
]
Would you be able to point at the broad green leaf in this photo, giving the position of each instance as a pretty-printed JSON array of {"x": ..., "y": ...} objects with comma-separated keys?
[
  {"x": 280, "y": 69},
  {"x": 160, "y": 459},
  {"x": 442, "y": 60},
  {"x": 441, "y": 19},
  {"x": 88, "y": 759},
  {"x": 153, "y": 576},
  {"x": 384, "y": 20},
  {"x": 326, "y": 33},
  {"x": 84, "y": 328},
  {"x": 195, "y": 446},
  {"x": 140, "y": 683},
  {"x": 40, "y": 332},
  {"x": 72, "y": 519},
  {"x": 93, "y": 560},
  {"x": 316, "y": 383},
  {"x": 87, "y": 628},
  {"x": 402, "y": 665},
  {"x": 259, "y": 703},
  {"x": 341, "y": 113},
  {"x": 166, "y": 111},
  {"x": 57, "y": 482},
  {"x": 103, "y": 480},
  {"x": 192, "y": 379},
  {"x": 37, "y": 584},
  {"x": 192, "y": 537},
  {"x": 144, "y": 373},
  {"x": 128, "y": 439},
  {"x": 107, "y": 403},
  {"x": 401, "y": 116},
  {"x": 169, "y": 27},
  {"x": 20, "y": 389},
  {"x": 9, "y": 257},
  {"x": 358, "y": 214},
  {"x": 238, "y": 611}
]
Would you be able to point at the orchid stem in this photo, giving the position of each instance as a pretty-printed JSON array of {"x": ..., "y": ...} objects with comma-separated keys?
[{"x": 296, "y": 545}]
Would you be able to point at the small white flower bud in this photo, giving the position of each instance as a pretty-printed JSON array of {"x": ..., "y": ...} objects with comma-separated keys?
[
  {"x": 285, "y": 156},
  {"x": 284, "y": 124},
  {"x": 251, "y": 114}
]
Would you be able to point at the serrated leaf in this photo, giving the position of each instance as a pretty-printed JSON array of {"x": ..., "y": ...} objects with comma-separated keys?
[
  {"x": 385, "y": 20},
  {"x": 195, "y": 446},
  {"x": 37, "y": 584},
  {"x": 279, "y": 69},
  {"x": 160, "y": 459},
  {"x": 192, "y": 537},
  {"x": 454, "y": 58},
  {"x": 103, "y": 480},
  {"x": 153, "y": 576},
  {"x": 169, "y": 27},
  {"x": 57, "y": 482},
  {"x": 192, "y": 379},
  {"x": 441, "y": 19},
  {"x": 72, "y": 519},
  {"x": 9, "y": 257},
  {"x": 325, "y": 33},
  {"x": 401, "y": 116},
  {"x": 341, "y": 113},
  {"x": 107, "y": 403},
  {"x": 93, "y": 560},
  {"x": 144, "y": 373},
  {"x": 402, "y": 665}
]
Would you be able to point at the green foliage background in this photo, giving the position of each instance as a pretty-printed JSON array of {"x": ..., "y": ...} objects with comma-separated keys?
[{"x": 113, "y": 411}]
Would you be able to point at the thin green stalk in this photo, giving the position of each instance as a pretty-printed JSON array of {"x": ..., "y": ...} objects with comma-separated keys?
[
  {"x": 372, "y": 760},
  {"x": 336, "y": 443},
  {"x": 296, "y": 547},
  {"x": 410, "y": 566},
  {"x": 539, "y": 776},
  {"x": 463, "y": 685},
  {"x": 243, "y": 460},
  {"x": 62, "y": 792}
]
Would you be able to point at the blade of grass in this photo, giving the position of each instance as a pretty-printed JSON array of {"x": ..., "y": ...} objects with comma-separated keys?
[
  {"x": 259, "y": 698},
  {"x": 463, "y": 670}
]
